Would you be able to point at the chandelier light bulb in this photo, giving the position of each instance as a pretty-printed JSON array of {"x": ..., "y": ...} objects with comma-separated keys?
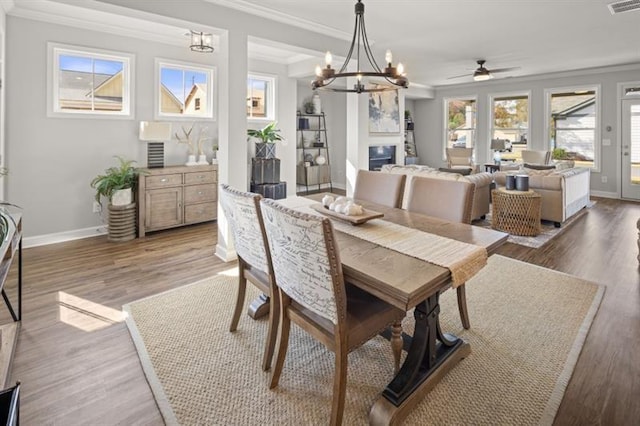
[
  {"x": 318, "y": 71},
  {"x": 388, "y": 57},
  {"x": 359, "y": 77},
  {"x": 328, "y": 58},
  {"x": 400, "y": 68}
]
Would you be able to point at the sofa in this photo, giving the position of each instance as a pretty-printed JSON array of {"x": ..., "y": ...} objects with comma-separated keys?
[
  {"x": 564, "y": 192},
  {"x": 482, "y": 183}
]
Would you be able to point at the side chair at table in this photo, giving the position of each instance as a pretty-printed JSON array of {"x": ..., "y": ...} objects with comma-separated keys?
[
  {"x": 308, "y": 275},
  {"x": 380, "y": 188},
  {"x": 450, "y": 200},
  {"x": 242, "y": 211}
]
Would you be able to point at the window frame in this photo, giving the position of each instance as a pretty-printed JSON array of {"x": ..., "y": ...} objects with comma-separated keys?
[
  {"x": 210, "y": 113},
  {"x": 55, "y": 50},
  {"x": 445, "y": 120},
  {"x": 492, "y": 97},
  {"x": 270, "y": 103},
  {"x": 597, "y": 139}
]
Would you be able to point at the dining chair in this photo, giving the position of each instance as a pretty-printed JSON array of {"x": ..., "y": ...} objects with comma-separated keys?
[
  {"x": 460, "y": 158},
  {"x": 308, "y": 275},
  {"x": 450, "y": 200},
  {"x": 243, "y": 214},
  {"x": 380, "y": 188}
]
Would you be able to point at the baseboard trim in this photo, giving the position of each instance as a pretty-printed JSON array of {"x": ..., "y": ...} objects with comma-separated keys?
[
  {"x": 605, "y": 194},
  {"x": 60, "y": 237},
  {"x": 225, "y": 255}
]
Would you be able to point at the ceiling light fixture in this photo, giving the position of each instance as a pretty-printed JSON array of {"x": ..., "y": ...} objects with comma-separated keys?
[
  {"x": 482, "y": 74},
  {"x": 201, "y": 42},
  {"x": 394, "y": 75}
]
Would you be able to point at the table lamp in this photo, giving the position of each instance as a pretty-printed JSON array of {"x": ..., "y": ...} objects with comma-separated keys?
[
  {"x": 155, "y": 133},
  {"x": 497, "y": 145}
]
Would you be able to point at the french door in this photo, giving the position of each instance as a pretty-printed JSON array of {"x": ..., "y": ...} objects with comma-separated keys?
[{"x": 631, "y": 149}]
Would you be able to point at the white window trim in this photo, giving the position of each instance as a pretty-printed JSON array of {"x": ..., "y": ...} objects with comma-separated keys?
[
  {"x": 211, "y": 112},
  {"x": 597, "y": 148},
  {"x": 491, "y": 97},
  {"x": 445, "y": 121},
  {"x": 271, "y": 96},
  {"x": 54, "y": 50}
]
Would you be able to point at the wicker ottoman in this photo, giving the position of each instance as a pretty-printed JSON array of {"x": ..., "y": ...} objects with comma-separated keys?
[{"x": 516, "y": 212}]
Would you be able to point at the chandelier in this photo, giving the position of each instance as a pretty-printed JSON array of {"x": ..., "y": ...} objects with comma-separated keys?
[
  {"x": 394, "y": 75},
  {"x": 201, "y": 42}
]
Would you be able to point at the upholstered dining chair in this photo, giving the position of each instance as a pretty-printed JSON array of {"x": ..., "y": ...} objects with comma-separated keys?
[
  {"x": 242, "y": 211},
  {"x": 460, "y": 158},
  {"x": 308, "y": 275},
  {"x": 536, "y": 157},
  {"x": 380, "y": 188},
  {"x": 449, "y": 200}
]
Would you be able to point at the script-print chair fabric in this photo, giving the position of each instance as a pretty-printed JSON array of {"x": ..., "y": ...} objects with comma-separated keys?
[
  {"x": 243, "y": 214},
  {"x": 308, "y": 274},
  {"x": 449, "y": 200},
  {"x": 380, "y": 188},
  {"x": 460, "y": 158}
]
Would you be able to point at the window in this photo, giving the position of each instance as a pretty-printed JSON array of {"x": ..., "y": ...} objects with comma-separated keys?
[
  {"x": 261, "y": 97},
  {"x": 89, "y": 81},
  {"x": 184, "y": 90},
  {"x": 510, "y": 122},
  {"x": 460, "y": 122},
  {"x": 573, "y": 123}
]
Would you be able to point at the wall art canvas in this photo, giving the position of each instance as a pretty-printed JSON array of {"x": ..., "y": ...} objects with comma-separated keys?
[{"x": 384, "y": 112}]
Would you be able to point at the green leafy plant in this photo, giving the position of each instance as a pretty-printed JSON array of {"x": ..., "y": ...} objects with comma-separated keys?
[
  {"x": 123, "y": 176},
  {"x": 268, "y": 134},
  {"x": 559, "y": 154},
  {"x": 308, "y": 106}
]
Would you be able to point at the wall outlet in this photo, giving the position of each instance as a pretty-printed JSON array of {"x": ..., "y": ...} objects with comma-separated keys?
[
  {"x": 606, "y": 142},
  {"x": 97, "y": 208},
  {"x": 604, "y": 179}
]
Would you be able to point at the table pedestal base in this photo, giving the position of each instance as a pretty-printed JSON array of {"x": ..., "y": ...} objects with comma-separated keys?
[
  {"x": 259, "y": 307},
  {"x": 431, "y": 355}
]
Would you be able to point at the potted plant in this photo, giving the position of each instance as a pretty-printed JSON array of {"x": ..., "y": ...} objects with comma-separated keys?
[
  {"x": 117, "y": 183},
  {"x": 268, "y": 136}
]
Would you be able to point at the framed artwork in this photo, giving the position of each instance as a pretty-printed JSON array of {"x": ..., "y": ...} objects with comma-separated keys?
[{"x": 384, "y": 112}]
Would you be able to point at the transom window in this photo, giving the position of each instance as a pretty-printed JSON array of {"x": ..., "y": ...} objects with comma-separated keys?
[
  {"x": 510, "y": 122},
  {"x": 573, "y": 118},
  {"x": 184, "y": 90},
  {"x": 460, "y": 122},
  {"x": 89, "y": 81},
  {"x": 261, "y": 97}
]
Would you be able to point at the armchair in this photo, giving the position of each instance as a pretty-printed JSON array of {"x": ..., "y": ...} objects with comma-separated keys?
[{"x": 460, "y": 158}]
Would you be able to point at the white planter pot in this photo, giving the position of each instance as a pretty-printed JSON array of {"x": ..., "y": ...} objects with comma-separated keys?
[{"x": 121, "y": 197}]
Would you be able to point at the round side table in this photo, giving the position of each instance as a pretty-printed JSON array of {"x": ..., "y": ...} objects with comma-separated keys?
[{"x": 516, "y": 212}]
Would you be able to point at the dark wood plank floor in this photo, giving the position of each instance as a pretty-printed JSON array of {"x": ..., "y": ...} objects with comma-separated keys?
[{"x": 78, "y": 365}]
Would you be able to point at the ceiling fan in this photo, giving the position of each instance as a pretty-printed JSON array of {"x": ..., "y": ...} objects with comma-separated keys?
[{"x": 482, "y": 73}]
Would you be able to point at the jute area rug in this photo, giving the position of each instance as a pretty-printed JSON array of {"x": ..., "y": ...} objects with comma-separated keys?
[
  {"x": 547, "y": 230},
  {"x": 528, "y": 325}
]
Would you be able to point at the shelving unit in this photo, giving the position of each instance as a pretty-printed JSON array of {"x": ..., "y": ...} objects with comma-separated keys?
[
  {"x": 410, "y": 150},
  {"x": 312, "y": 152}
]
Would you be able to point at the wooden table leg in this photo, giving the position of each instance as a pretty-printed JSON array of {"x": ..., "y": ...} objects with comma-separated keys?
[
  {"x": 431, "y": 356},
  {"x": 259, "y": 307}
]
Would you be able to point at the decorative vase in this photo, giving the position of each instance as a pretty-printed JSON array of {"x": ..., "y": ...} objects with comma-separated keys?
[
  {"x": 522, "y": 182},
  {"x": 265, "y": 150},
  {"x": 510, "y": 183},
  {"x": 317, "y": 105},
  {"x": 191, "y": 160},
  {"x": 202, "y": 160}
]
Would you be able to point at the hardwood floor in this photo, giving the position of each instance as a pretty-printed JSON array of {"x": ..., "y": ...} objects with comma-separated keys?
[{"x": 78, "y": 365}]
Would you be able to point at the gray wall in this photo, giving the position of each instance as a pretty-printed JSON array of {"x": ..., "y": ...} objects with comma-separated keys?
[
  {"x": 52, "y": 160},
  {"x": 428, "y": 115}
]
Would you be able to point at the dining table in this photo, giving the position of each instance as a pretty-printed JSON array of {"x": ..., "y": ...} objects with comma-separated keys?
[{"x": 409, "y": 283}]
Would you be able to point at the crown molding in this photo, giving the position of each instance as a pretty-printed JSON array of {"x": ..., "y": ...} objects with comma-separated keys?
[
  {"x": 284, "y": 18},
  {"x": 7, "y": 5}
]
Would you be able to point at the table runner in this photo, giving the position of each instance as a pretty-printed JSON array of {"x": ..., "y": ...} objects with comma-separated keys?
[{"x": 464, "y": 260}]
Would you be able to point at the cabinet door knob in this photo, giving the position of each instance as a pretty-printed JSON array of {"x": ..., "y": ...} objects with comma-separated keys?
[
  {"x": 199, "y": 192},
  {"x": 163, "y": 180}
]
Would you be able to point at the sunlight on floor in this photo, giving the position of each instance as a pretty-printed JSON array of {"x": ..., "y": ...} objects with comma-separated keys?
[
  {"x": 232, "y": 272},
  {"x": 85, "y": 314}
]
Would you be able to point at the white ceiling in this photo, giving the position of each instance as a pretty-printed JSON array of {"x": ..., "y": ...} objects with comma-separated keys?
[
  {"x": 437, "y": 39},
  {"x": 434, "y": 39}
]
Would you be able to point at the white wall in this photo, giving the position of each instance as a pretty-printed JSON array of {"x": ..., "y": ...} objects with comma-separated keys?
[
  {"x": 52, "y": 160},
  {"x": 429, "y": 116}
]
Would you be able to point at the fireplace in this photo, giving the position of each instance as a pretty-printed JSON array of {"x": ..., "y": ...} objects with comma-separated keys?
[{"x": 381, "y": 155}]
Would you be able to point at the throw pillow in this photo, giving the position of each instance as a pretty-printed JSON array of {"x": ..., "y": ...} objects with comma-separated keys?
[{"x": 462, "y": 171}]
